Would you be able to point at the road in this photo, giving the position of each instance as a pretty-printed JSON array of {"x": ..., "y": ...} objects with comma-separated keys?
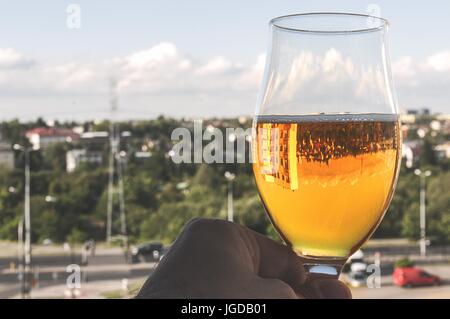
[
  {"x": 108, "y": 268},
  {"x": 393, "y": 292},
  {"x": 390, "y": 291},
  {"x": 108, "y": 265}
]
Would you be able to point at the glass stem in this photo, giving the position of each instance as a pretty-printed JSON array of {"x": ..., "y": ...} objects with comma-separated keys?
[{"x": 323, "y": 270}]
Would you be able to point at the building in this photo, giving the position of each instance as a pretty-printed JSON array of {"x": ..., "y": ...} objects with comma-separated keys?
[
  {"x": 412, "y": 115},
  {"x": 419, "y": 112},
  {"x": 443, "y": 150},
  {"x": 6, "y": 155},
  {"x": 408, "y": 118},
  {"x": 42, "y": 137},
  {"x": 445, "y": 127},
  {"x": 278, "y": 155},
  {"x": 443, "y": 117},
  {"x": 75, "y": 157},
  {"x": 411, "y": 151},
  {"x": 95, "y": 137}
]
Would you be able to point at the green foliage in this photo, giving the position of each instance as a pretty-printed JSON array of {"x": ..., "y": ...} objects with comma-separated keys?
[
  {"x": 171, "y": 216},
  {"x": 428, "y": 155},
  {"x": 404, "y": 262},
  {"x": 438, "y": 208},
  {"x": 396, "y": 221},
  {"x": 56, "y": 157},
  {"x": 76, "y": 236},
  {"x": 161, "y": 196},
  {"x": 206, "y": 176},
  {"x": 403, "y": 216},
  {"x": 8, "y": 230},
  {"x": 249, "y": 211}
]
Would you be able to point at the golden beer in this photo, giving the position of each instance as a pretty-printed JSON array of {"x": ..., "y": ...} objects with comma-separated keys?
[{"x": 326, "y": 180}]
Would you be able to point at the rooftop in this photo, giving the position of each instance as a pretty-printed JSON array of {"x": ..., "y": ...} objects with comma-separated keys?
[{"x": 52, "y": 132}]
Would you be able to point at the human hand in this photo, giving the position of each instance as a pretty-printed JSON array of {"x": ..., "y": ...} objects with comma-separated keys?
[{"x": 219, "y": 259}]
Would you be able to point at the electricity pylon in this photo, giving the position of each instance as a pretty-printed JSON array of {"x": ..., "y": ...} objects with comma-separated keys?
[{"x": 115, "y": 180}]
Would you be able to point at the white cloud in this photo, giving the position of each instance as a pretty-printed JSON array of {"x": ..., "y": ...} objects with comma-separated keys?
[
  {"x": 424, "y": 82},
  {"x": 215, "y": 66},
  {"x": 10, "y": 58},
  {"x": 162, "y": 79},
  {"x": 159, "y": 54},
  {"x": 440, "y": 61},
  {"x": 404, "y": 67},
  {"x": 251, "y": 78}
]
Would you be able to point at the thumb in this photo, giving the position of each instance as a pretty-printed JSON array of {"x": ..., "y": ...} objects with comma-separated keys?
[
  {"x": 276, "y": 261},
  {"x": 331, "y": 289}
]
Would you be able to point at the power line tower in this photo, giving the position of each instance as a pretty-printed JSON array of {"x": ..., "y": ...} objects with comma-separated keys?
[{"x": 115, "y": 180}]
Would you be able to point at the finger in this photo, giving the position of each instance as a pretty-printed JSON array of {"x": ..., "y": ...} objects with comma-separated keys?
[
  {"x": 330, "y": 289},
  {"x": 274, "y": 260},
  {"x": 272, "y": 289}
]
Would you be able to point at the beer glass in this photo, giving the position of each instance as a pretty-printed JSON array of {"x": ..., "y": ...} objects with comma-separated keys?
[{"x": 326, "y": 143}]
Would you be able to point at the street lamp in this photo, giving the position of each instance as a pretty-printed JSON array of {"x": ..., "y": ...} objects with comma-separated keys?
[
  {"x": 20, "y": 252},
  {"x": 26, "y": 278},
  {"x": 13, "y": 190},
  {"x": 50, "y": 199},
  {"x": 230, "y": 178},
  {"x": 423, "y": 243}
]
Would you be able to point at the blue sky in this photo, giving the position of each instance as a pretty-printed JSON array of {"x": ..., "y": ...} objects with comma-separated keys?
[{"x": 228, "y": 34}]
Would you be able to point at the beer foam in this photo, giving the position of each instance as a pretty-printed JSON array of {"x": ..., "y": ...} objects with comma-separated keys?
[{"x": 342, "y": 117}]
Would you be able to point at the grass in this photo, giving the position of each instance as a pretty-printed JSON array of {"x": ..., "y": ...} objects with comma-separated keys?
[
  {"x": 115, "y": 294},
  {"x": 388, "y": 242},
  {"x": 133, "y": 289}
]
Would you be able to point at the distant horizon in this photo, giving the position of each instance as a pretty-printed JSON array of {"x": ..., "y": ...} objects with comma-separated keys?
[{"x": 178, "y": 118}]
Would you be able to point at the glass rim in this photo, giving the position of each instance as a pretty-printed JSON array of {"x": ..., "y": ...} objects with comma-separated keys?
[{"x": 277, "y": 22}]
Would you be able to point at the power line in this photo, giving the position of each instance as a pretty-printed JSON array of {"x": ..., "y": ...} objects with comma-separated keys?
[{"x": 115, "y": 185}]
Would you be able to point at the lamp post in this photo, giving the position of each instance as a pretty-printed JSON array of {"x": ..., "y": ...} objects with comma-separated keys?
[
  {"x": 20, "y": 251},
  {"x": 230, "y": 178},
  {"x": 423, "y": 243},
  {"x": 26, "y": 278},
  {"x": 122, "y": 156}
]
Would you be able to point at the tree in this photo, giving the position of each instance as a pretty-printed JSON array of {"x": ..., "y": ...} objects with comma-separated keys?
[
  {"x": 166, "y": 223},
  {"x": 438, "y": 208},
  {"x": 250, "y": 212},
  {"x": 406, "y": 193},
  {"x": 428, "y": 156},
  {"x": 56, "y": 157},
  {"x": 411, "y": 222},
  {"x": 207, "y": 176},
  {"x": 76, "y": 236}
]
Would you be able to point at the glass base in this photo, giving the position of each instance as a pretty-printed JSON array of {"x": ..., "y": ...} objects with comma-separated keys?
[
  {"x": 325, "y": 270},
  {"x": 323, "y": 267}
]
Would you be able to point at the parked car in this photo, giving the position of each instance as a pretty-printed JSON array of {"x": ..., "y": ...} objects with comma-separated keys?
[
  {"x": 47, "y": 242},
  {"x": 413, "y": 276},
  {"x": 356, "y": 278},
  {"x": 164, "y": 251},
  {"x": 355, "y": 263},
  {"x": 147, "y": 252}
]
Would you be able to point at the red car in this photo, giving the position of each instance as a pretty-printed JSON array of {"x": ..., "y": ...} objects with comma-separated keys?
[{"x": 411, "y": 276}]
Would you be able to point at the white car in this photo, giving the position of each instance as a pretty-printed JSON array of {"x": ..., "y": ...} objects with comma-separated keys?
[{"x": 356, "y": 279}]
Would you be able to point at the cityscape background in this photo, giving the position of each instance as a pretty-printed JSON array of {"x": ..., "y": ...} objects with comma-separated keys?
[{"x": 89, "y": 97}]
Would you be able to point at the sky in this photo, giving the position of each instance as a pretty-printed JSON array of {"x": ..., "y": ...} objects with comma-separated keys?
[{"x": 186, "y": 58}]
